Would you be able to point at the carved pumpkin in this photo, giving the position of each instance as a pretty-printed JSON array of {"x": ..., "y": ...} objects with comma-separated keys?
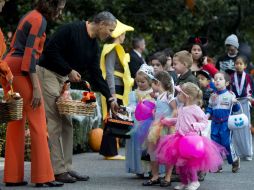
[{"x": 94, "y": 139}]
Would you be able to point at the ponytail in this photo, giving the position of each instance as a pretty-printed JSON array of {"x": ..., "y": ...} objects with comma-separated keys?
[
  {"x": 199, "y": 97},
  {"x": 194, "y": 92}
]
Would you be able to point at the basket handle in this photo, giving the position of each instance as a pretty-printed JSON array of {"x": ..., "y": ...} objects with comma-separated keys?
[
  {"x": 87, "y": 85},
  {"x": 233, "y": 105},
  {"x": 12, "y": 91}
]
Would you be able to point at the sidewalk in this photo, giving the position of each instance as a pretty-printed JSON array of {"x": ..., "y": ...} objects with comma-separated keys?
[
  {"x": 110, "y": 175},
  {"x": 1, "y": 163}
]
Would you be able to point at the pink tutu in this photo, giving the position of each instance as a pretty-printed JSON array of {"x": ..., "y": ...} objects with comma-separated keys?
[{"x": 204, "y": 155}]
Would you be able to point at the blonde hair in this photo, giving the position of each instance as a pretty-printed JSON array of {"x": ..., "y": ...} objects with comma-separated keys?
[
  {"x": 193, "y": 91},
  {"x": 185, "y": 58}
]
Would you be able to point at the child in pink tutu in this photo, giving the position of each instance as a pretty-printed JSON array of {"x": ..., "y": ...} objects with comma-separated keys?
[{"x": 186, "y": 149}]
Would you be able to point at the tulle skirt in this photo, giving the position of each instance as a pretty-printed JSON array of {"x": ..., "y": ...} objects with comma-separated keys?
[
  {"x": 141, "y": 130},
  {"x": 197, "y": 153}
]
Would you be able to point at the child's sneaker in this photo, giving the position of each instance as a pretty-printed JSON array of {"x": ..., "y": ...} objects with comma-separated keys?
[
  {"x": 180, "y": 186},
  {"x": 236, "y": 166},
  {"x": 248, "y": 158},
  {"x": 201, "y": 176},
  {"x": 220, "y": 170},
  {"x": 193, "y": 186}
]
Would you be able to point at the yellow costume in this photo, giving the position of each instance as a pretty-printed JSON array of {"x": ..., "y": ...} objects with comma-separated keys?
[{"x": 124, "y": 59}]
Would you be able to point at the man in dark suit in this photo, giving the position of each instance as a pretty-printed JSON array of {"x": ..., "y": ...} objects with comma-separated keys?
[{"x": 136, "y": 60}]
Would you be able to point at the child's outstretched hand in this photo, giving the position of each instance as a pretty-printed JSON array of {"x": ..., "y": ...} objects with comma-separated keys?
[
  {"x": 168, "y": 121},
  {"x": 234, "y": 100}
]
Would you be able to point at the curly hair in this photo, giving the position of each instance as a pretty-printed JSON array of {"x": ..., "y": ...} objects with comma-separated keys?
[
  {"x": 165, "y": 80},
  {"x": 48, "y": 8}
]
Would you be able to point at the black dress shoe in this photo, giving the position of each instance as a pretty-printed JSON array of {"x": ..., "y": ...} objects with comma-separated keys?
[
  {"x": 165, "y": 183},
  {"x": 151, "y": 182},
  {"x": 50, "y": 184},
  {"x": 65, "y": 178},
  {"x": 10, "y": 184},
  {"x": 78, "y": 176}
]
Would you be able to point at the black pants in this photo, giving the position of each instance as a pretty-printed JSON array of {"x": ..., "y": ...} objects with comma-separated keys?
[{"x": 108, "y": 143}]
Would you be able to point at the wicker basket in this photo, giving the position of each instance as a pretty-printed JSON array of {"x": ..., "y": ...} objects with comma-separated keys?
[
  {"x": 75, "y": 107},
  {"x": 11, "y": 110}
]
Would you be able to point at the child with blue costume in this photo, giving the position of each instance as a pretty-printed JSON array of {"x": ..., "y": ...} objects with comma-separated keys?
[
  {"x": 218, "y": 109},
  {"x": 144, "y": 92}
]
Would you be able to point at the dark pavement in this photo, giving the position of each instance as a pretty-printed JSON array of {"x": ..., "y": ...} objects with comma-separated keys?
[{"x": 110, "y": 175}]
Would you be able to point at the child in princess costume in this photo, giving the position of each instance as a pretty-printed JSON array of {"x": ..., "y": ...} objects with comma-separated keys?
[
  {"x": 144, "y": 92},
  {"x": 165, "y": 106},
  {"x": 186, "y": 149}
]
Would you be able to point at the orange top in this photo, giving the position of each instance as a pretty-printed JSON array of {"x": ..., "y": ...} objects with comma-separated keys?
[
  {"x": 5, "y": 71},
  {"x": 2, "y": 44},
  {"x": 28, "y": 40}
]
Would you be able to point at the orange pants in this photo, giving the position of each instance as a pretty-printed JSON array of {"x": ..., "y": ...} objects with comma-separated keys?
[{"x": 41, "y": 169}]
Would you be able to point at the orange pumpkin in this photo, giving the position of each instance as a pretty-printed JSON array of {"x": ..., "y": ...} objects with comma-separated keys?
[
  {"x": 92, "y": 96},
  {"x": 94, "y": 139}
]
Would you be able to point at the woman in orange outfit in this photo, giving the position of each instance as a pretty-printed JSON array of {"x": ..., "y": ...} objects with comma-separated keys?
[
  {"x": 26, "y": 47},
  {"x": 5, "y": 72},
  {"x": 6, "y": 76}
]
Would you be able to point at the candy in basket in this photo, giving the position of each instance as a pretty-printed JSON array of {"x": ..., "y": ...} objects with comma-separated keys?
[
  {"x": 120, "y": 125},
  {"x": 84, "y": 107},
  {"x": 11, "y": 107}
]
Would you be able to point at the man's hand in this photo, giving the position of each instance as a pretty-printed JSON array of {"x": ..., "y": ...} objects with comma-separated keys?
[
  {"x": 74, "y": 76},
  {"x": 114, "y": 107}
]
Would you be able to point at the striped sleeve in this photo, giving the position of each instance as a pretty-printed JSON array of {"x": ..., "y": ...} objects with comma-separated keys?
[{"x": 35, "y": 29}]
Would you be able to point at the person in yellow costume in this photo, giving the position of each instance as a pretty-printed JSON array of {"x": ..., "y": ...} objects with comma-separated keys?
[{"x": 115, "y": 69}]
